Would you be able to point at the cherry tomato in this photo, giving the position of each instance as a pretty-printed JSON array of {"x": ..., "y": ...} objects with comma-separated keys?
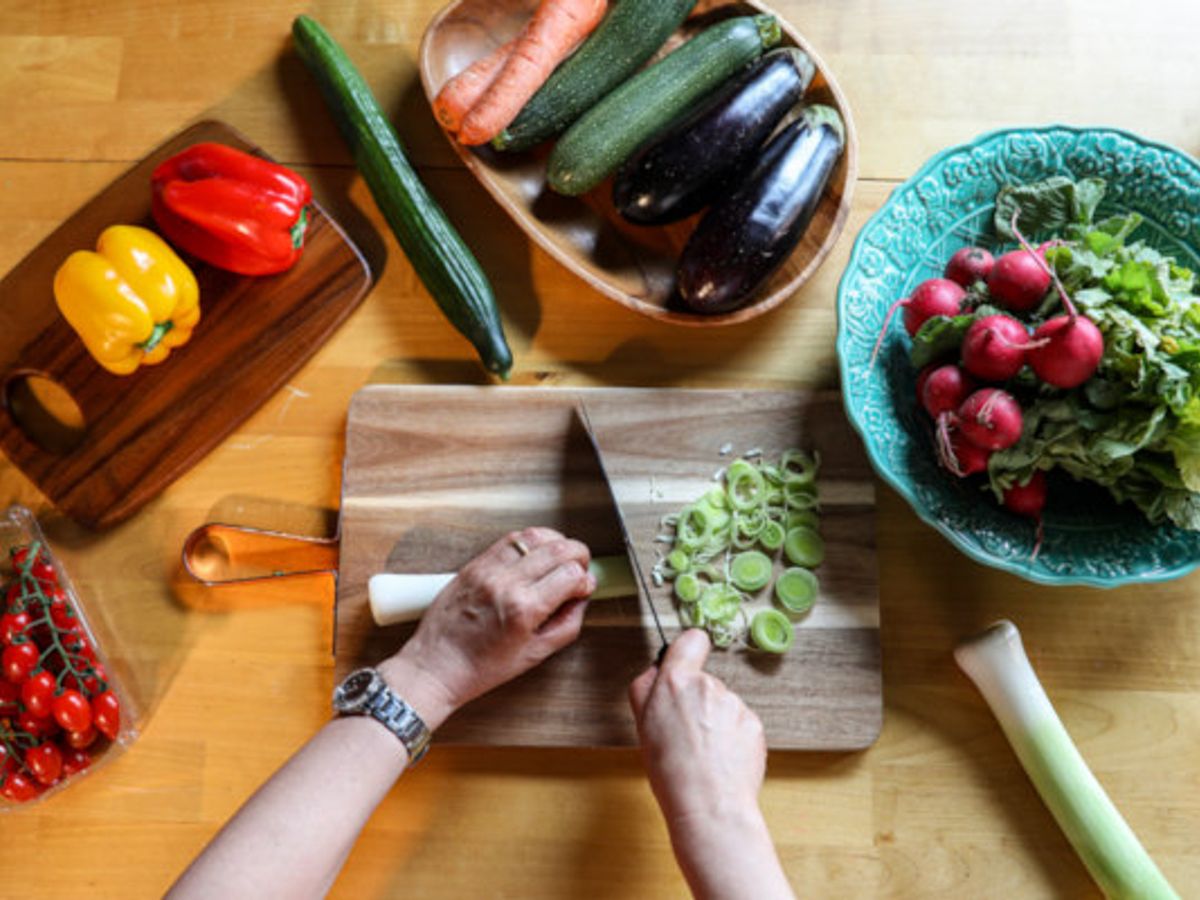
[
  {"x": 61, "y": 613},
  {"x": 45, "y": 762},
  {"x": 9, "y": 695},
  {"x": 106, "y": 713},
  {"x": 74, "y": 761},
  {"x": 78, "y": 740},
  {"x": 38, "y": 694},
  {"x": 72, "y": 711},
  {"x": 13, "y": 625},
  {"x": 37, "y": 726},
  {"x": 18, "y": 661},
  {"x": 76, "y": 641},
  {"x": 41, "y": 569},
  {"x": 89, "y": 685},
  {"x": 14, "y": 597},
  {"x": 19, "y": 788},
  {"x": 19, "y": 555}
]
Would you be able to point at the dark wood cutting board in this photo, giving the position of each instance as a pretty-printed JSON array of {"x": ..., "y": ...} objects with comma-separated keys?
[
  {"x": 144, "y": 430},
  {"x": 435, "y": 474}
]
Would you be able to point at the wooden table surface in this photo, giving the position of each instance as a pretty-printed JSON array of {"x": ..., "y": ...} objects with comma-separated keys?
[{"x": 937, "y": 808}]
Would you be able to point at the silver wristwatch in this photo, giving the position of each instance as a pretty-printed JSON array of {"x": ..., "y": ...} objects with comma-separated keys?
[{"x": 365, "y": 693}]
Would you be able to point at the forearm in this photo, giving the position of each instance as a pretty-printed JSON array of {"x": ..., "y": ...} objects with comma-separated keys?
[
  {"x": 730, "y": 857},
  {"x": 292, "y": 836}
]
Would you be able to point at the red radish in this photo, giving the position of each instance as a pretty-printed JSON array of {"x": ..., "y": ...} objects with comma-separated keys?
[
  {"x": 969, "y": 265},
  {"x": 922, "y": 377},
  {"x": 994, "y": 348},
  {"x": 1027, "y": 499},
  {"x": 1068, "y": 348},
  {"x": 943, "y": 389},
  {"x": 971, "y": 459},
  {"x": 934, "y": 297},
  {"x": 990, "y": 418},
  {"x": 1019, "y": 280},
  {"x": 1066, "y": 351},
  {"x": 956, "y": 454}
]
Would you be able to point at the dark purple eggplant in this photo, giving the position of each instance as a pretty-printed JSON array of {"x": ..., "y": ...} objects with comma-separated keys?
[
  {"x": 697, "y": 159},
  {"x": 742, "y": 240}
]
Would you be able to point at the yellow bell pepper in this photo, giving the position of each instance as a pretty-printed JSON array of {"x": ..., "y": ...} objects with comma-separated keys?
[{"x": 131, "y": 301}]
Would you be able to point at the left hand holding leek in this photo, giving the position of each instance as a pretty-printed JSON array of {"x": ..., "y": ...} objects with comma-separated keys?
[{"x": 514, "y": 605}]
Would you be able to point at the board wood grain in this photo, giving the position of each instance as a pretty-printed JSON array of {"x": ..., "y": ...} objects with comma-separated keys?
[
  {"x": 433, "y": 475},
  {"x": 633, "y": 265},
  {"x": 142, "y": 431}
]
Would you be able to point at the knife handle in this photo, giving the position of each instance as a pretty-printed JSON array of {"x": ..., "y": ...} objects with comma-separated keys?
[{"x": 404, "y": 598}]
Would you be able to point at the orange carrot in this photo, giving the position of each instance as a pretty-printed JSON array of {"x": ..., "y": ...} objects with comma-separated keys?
[
  {"x": 549, "y": 37},
  {"x": 463, "y": 91}
]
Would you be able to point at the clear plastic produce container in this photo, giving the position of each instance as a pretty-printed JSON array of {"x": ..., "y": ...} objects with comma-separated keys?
[{"x": 63, "y": 710}]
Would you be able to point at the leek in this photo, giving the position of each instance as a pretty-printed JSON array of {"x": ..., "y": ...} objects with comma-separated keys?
[
  {"x": 996, "y": 662},
  {"x": 396, "y": 598}
]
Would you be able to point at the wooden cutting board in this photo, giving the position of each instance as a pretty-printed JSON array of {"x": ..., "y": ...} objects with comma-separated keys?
[
  {"x": 435, "y": 474},
  {"x": 142, "y": 431}
]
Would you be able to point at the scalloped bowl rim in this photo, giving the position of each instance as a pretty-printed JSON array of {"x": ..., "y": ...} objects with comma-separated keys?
[{"x": 901, "y": 485}]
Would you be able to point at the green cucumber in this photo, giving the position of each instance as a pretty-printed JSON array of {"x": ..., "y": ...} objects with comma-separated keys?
[
  {"x": 620, "y": 123},
  {"x": 629, "y": 35},
  {"x": 439, "y": 256}
]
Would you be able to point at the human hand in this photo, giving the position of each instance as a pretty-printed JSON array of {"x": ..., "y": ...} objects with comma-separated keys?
[
  {"x": 706, "y": 756},
  {"x": 703, "y": 748},
  {"x": 503, "y": 614}
]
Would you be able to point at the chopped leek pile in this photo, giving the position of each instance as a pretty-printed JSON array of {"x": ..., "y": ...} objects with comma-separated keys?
[{"x": 724, "y": 548}]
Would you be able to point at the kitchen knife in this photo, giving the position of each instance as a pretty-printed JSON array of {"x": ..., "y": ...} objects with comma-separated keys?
[{"x": 630, "y": 550}]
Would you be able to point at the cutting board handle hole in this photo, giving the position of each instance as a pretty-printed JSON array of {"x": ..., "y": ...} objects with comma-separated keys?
[{"x": 45, "y": 411}]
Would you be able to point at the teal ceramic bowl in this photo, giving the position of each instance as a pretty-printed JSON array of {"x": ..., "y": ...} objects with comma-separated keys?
[{"x": 1089, "y": 538}]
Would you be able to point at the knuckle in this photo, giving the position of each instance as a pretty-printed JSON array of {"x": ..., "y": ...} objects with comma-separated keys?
[
  {"x": 481, "y": 583},
  {"x": 471, "y": 576},
  {"x": 677, "y": 681},
  {"x": 579, "y": 550},
  {"x": 535, "y": 535},
  {"x": 560, "y": 550},
  {"x": 573, "y": 570},
  {"x": 517, "y": 605}
]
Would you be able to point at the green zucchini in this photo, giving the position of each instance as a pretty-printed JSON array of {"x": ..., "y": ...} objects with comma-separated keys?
[
  {"x": 620, "y": 123},
  {"x": 439, "y": 256},
  {"x": 629, "y": 35}
]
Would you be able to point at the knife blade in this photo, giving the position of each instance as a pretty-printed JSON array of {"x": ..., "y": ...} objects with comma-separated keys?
[{"x": 630, "y": 550}]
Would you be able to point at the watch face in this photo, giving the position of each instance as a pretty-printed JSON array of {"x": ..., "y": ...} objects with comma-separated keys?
[{"x": 352, "y": 694}]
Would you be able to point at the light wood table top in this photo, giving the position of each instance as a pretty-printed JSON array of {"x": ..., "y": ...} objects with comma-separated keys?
[{"x": 937, "y": 808}]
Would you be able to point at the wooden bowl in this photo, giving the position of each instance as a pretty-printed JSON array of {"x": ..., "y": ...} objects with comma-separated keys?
[{"x": 633, "y": 265}]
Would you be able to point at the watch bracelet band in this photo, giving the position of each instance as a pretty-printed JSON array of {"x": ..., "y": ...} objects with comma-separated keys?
[{"x": 402, "y": 720}]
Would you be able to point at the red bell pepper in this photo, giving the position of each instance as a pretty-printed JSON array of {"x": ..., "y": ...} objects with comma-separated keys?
[{"x": 231, "y": 209}]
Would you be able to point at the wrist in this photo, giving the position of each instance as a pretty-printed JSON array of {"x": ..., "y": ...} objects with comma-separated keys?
[
  {"x": 729, "y": 855},
  {"x": 711, "y": 827},
  {"x": 418, "y": 688}
]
